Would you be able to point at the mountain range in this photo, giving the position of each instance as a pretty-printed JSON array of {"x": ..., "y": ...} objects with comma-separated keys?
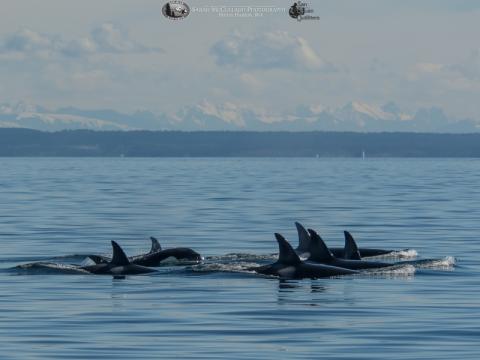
[{"x": 354, "y": 116}]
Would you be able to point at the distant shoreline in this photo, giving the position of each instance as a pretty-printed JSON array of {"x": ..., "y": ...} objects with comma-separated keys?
[{"x": 16, "y": 142}]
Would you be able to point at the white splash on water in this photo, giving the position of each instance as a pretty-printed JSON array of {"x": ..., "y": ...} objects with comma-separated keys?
[
  {"x": 242, "y": 257},
  {"x": 397, "y": 254},
  {"x": 38, "y": 267},
  {"x": 239, "y": 267},
  {"x": 447, "y": 262},
  {"x": 87, "y": 262},
  {"x": 391, "y": 271},
  {"x": 406, "y": 253}
]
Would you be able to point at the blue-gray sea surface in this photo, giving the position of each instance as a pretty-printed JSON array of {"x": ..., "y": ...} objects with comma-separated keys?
[{"x": 54, "y": 207}]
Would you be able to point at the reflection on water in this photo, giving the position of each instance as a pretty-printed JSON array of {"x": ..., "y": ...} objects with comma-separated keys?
[
  {"x": 316, "y": 288},
  {"x": 300, "y": 292}
]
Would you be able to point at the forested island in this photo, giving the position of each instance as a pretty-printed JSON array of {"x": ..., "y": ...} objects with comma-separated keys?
[{"x": 87, "y": 143}]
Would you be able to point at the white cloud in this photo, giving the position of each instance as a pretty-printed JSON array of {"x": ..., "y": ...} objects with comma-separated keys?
[
  {"x": 462, "y": 76},
  {"x": 79, "y": 47},
  {"x": 470, "y": 68},
  {"x": 27, "y": 40},
  {"x": 251, "y": 81},
  {"x": 317, "y": 109},
  {"x": 111, "y": 38},
  {"x": 107, "y": 38},
  {"x": 428, "y": 67},
  {"x": 306, "y": 55},
  {"x": 277, "y": 49}
]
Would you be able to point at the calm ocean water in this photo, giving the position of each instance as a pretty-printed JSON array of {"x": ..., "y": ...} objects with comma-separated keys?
[{"x": 57, "y": 207}]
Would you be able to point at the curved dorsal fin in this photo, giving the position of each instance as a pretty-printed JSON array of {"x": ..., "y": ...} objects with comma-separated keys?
[
  {"x": 319, "y": 251},
  {"x": 303, "y": 238},
  {"x": 351, "y": 251},
  {"x": 155, "y": 245},
  {"x": 118, "y": 257},
  {"x": 286, "y": 254}
]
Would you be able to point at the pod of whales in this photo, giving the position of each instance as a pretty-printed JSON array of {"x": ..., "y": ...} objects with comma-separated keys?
[
  {"x": 118, "y": 265},
  {"x": 304, "y": 246},
  {"x": 290, "y": 266},
  {"x": 156, "y": 255},
  {"x": 320, "y": 253},
  {"x": 311, "y": 259}
]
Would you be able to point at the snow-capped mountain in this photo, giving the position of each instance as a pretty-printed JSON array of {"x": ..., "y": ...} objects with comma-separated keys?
[
  {"x": 23, "y": 115},
  {"x": 354, "y": 116}
]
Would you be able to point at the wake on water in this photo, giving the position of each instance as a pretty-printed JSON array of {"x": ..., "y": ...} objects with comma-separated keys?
[
  {"x": 396, "y": 255},
  {"x": 48, "y": 268},
  {"x": 243, "y": 262},
  {"x": 391, "y": 271},
  {"x": 238, "y": 267},
  {"x": 447, "y": 262},
  {"x": 238, "y": 263}
]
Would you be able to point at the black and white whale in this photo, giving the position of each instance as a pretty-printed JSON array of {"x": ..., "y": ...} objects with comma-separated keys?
[
  {"x": 118, "y": 265},
  {"x": 304, "y": 244},
  {"x": 290, "y": 266},
  {"x": 321, "y": 254},
  {"x": 156, "y": 255}
]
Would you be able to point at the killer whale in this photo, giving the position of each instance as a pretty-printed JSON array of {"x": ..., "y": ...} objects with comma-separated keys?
[
  {"x": 290, "y": 266},
  {"x": 321, "y": 254},
  {"x": 304, "y": 245},
  {"x": 118, "y": 265},
  {"x": 156, "y": 255}
]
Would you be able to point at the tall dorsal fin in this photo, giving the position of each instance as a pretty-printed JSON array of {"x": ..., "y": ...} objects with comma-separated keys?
[
  {"x": 303, "y": 238},
  {"x": 286, "y": 254},
  {"x": 118, "y": 257},
  {"x": 319, "y": 251},
  {"x": 155, "y": 245},
  {"x": 351, "y": 251}
]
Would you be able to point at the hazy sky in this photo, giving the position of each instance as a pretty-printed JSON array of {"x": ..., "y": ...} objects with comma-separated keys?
[{"x": 124, "y": 55}]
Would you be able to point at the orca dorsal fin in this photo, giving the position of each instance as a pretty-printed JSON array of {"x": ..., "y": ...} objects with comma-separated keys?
[
  {"x": 286, "y": 254},
  {"x": 319, "y": 251},
  {"x": 351, "y": 251},
  {"x": 303, "y": 238},
  {"x": 118, "y": 257},
  {"x": 155, "y": 245}
]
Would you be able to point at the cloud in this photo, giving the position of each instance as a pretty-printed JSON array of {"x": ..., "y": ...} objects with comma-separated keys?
[
  {"x": 27, "y": 40},
  {"x": 423, "y": 71},
  {"x": 111, "y": 38},
  {"x": 461, "y": 76},
  {"x": 104, "y": 39},
  {"x": 469, "y": 68},
  {"x": 251, "y": 82},
  {"x": 428, "y": 67},
  {"x": 269, "y": 50}
]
